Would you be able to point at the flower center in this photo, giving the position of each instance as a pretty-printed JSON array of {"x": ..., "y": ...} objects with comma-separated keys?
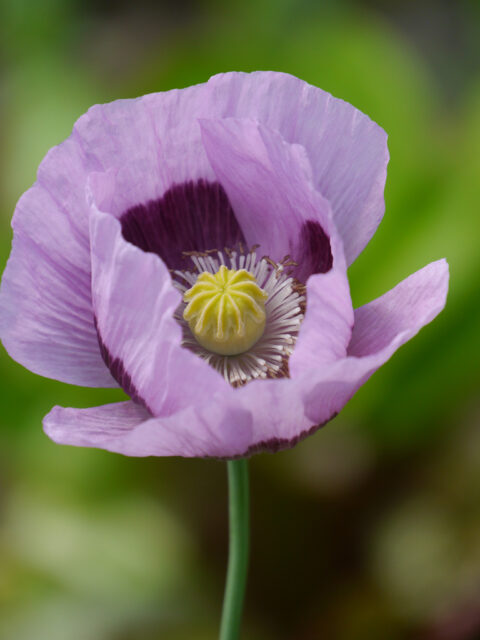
[
  {"x": 226, "y": 310},
  {"x": 283, "y": 302}
]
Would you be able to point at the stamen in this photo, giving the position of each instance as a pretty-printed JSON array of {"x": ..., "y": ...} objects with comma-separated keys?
[{"x": 284, "y": 311}]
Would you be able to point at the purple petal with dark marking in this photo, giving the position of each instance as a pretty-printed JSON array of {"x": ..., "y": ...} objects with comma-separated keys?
[
  {"x": 269, "y": 183},
  {"x": 193, "y": 216},
  {"x": 119, "y": 373},
  {"x": 134, "y": 302},
  {"x": 46, "y": 317},
  {"x": 315, "y": 249}
]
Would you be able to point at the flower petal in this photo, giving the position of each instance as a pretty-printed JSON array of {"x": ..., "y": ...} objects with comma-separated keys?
[
  {"x": 46, "y": 318},
  {"x": 155, "y": 142},
  {"x": 134, "y": 302},
  {"x": 285, "y": 411},
  {"x": 189, "y": 217},
  {"x": 348, "y": 151},
  {"x": 401, "y": 312},
  {"x": 152, "y": 143},
  {"x": 268, "y": 182},
  {"x": 127, "y": 428},
  {"x": 95, "y": 426},
  {"x": 327, "y": 327}
]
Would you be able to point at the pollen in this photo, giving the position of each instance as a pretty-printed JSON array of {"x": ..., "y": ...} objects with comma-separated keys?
[{"x": 226, "y": 310}]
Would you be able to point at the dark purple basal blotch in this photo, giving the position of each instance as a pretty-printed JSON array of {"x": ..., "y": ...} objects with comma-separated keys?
[{"x": 260, "y": 178}]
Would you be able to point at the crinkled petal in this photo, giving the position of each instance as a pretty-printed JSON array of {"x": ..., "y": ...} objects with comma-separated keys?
[
  {"x": 327, "y": 327},
  {"x": 46, "y": 318},
  {"x": 348, "y": 151},
  {"x": 95, "y": 426},
  {"x": 134, "y": 302},
  {"x": 269, "y": 184},
  {"x": 402, "y": 311},
  {"x": 268, "y": 181},
  {"x": 154, "y": 141},
  {"x": 213, "y": 429},
  {"x": 286, "y": 411}
]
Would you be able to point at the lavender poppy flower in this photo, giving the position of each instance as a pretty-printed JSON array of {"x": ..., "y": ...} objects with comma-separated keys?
[{"x": 260, "y": 172}]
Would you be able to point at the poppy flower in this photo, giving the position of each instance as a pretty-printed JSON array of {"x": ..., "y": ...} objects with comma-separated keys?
[{"x": 192, "y": 248}]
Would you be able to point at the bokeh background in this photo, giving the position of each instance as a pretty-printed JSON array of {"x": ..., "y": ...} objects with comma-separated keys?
[{"x": 369, "y": 529}]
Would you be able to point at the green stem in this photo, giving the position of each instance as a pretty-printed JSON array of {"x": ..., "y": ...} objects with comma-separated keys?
[{"x": 238, "y": 550}]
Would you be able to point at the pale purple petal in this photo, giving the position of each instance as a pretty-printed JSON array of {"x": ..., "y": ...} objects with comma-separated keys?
[
  {"x": 402, "y": 311},
  {"x": 46, "y": 319},
  {"x": 211, "y": 430},
  {"x": 327, "y": 327},
  {"x": 95, "y": 426},
  {"x": 348, "y": 152},
  {"x": 134, "y": 301},
  {"x": 154, "y": 141},
  {"x": 268, "y": 182},
  {"x": 286, "y": 411}
]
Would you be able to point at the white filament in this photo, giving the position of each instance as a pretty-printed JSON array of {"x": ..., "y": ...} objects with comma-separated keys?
[{"x": 284, "y": 309}]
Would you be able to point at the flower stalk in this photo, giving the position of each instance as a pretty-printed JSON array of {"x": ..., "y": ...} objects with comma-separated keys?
[{"x": 239, "y": 529}]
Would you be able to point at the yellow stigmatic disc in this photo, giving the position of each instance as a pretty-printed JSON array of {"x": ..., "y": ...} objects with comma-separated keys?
[{"x": 226, "y": 311}]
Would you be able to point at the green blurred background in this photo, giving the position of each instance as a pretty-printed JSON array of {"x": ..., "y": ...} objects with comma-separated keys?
[{"x": 369, "y": 529}]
